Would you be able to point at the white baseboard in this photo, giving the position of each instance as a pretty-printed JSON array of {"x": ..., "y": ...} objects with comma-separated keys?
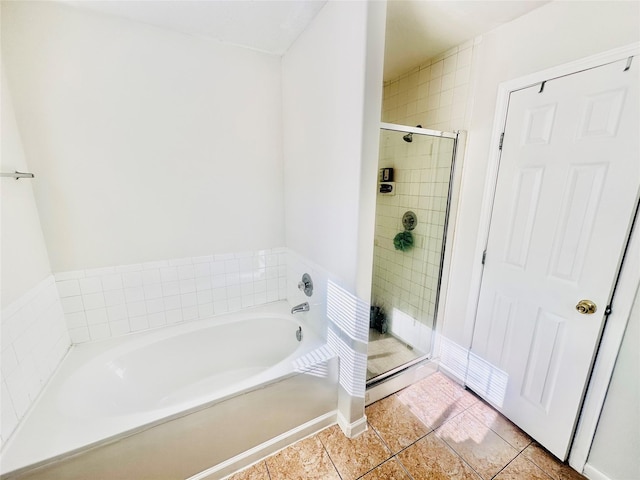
[
  {"x": 352, "y": 430},
  {"x": 255, "y": 454},
  {"x": 593, "y": 473}
]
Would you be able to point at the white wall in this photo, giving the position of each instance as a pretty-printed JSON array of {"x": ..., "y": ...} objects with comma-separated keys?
[
  {"x": 24, "y": 261},
  {"x": 616, "y": 444},
  {"x": 332, "y": 81},
  {"x": 323, "y": 81},
  {"x": 556, "y": 33},
  {"x": 147, "y": 144}
]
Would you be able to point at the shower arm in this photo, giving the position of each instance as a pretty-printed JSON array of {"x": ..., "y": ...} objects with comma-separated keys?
[{"x": 17, "y": 175}]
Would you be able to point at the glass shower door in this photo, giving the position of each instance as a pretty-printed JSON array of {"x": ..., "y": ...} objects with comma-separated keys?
[{"x": 412, "y": 208}]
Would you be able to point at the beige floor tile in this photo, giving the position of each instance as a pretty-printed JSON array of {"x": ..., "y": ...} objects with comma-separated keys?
[
  {"x": 447, "y": 386},
  {"x": 256, "y": 472},
  {"x": 550, "y": 464},
  {"x": 432, "y": 459},
  {"x": 433, "y": 407},
  {"x": 477, "y": 444},
  {"x": 397, "y": 425},
  {"x": 499, "y": 424},
  {"x": 389, "y": 470},
  {"x": 353, "y": 457},
  {"x": 306, "y": 459},
  {"x": 522, "y": 469}
]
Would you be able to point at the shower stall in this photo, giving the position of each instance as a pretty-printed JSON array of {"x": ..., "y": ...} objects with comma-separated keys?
[{"x": 416, "y": 168}]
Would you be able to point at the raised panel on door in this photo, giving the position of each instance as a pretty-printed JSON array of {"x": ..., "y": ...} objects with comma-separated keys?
[{"x": 568, "y": 183}]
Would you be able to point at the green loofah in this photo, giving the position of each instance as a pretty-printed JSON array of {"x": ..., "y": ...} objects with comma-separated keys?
[{"x": 403, "y": 241}]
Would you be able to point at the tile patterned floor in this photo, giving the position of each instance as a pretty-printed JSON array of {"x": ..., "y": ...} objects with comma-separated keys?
[{"x": 433, "y": 429}]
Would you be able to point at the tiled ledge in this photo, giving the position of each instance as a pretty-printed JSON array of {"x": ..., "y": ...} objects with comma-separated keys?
[
  {"x": 34, "y": 340},
  {"x": 107, "y": 302}
]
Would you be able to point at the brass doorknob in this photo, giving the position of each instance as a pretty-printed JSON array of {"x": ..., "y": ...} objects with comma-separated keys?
[{"x": 586, "y": 307}]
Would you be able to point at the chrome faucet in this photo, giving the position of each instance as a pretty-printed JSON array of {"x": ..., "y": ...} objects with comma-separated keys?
[{"x": 303, "y": 307}]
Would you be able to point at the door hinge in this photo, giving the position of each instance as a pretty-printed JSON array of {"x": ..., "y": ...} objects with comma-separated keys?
[
  {"x": 484, "y": 256},
  {"x": 501, "y": 141}
]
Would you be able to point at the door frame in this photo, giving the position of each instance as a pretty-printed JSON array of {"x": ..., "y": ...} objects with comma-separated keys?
[{"x": 629, "y": 280}]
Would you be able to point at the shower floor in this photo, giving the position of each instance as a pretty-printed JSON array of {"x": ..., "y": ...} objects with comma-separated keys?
[{"x": 386, "y": 352}]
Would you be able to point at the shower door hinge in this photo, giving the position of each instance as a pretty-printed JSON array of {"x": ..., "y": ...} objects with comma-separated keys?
[
  {"x": 501, "y": 141},
  {"x": 484, "y": 256}
]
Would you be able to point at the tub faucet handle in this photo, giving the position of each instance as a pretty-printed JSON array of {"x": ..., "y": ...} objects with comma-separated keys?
[{"x": 306, "y": 285}]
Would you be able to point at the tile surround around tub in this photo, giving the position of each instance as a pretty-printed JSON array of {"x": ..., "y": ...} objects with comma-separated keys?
[
  {"x": 107, "y": 302},
  {"x": 34, "y": 341}
]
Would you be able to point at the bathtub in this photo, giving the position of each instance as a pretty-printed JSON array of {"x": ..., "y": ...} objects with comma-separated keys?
[{"x": 197, "y": 393}]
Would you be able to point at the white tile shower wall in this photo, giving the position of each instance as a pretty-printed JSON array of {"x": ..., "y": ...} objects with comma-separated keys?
[
  {"x": 107, "y": 302},
  {"x": 434, "y": 95},
  {"x": 404, "y": 283},
  {"x": 34, "y": 341}
]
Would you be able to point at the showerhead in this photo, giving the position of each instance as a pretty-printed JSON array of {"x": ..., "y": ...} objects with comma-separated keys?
[{"x": 409, "y": 136}]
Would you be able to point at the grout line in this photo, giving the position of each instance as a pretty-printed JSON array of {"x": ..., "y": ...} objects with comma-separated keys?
[
  {"x": 335, "y": 467},
  {"x": 520, "y": 450},
  {"x": 434, "y": 431},
  {"x": 461, "y": 457},
  {"x": 526, "y": 459},
  {"x": 324, "y": 447},
  {"x": 385, "y": 445},
  {"x": 464, "y": 460},
  {"x": 267, "y": 468},
  {"x": 403, "y": 467}
]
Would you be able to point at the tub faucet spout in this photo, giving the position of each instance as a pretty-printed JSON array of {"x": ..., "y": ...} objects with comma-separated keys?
[{"x": 303, "y": 307}]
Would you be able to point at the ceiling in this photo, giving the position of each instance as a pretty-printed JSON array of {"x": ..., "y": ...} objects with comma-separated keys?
[
  {"x": 266, "y": 25},
  {"x": 416, "y": 29}
]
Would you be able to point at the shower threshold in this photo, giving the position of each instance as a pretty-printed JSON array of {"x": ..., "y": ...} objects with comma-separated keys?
[{"x": 394, "y": 380}]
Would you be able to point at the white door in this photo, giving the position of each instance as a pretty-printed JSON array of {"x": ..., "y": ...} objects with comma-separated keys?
[{"x": 567, "y": 188}]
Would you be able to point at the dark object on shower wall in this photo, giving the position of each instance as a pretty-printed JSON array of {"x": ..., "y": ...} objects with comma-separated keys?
[
  {"x": 386, "y": 174},
  {"x": 409, "y": 220},
  {"x": 403, "y": 241},
  {"x": 387, "y": 188},
  {"x": 378, "y": 319}
]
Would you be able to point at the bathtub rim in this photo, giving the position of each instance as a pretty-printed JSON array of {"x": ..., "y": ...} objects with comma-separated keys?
[{"x": 278, "y": 308}]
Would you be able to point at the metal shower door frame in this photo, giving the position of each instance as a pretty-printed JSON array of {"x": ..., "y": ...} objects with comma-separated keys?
[{"x": 386, "y": 376}]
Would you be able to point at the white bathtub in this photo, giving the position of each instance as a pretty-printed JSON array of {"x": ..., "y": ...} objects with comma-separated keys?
[{"x": 106, "y": 391}]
